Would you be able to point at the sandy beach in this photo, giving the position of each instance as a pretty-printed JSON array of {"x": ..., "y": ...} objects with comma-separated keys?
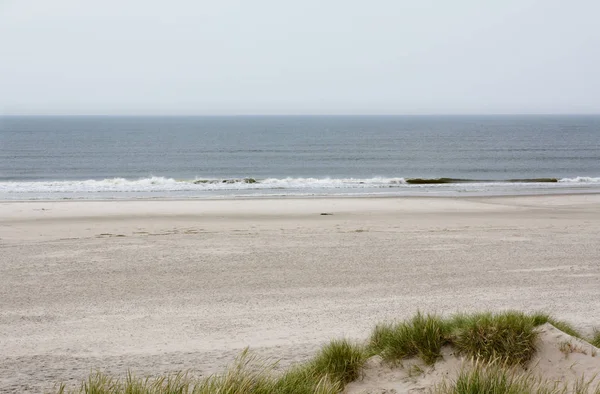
[{"x": 159, "y": 286}]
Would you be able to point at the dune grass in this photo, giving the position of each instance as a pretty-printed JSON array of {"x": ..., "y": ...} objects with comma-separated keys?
[
  {"x": 507, "y": 336},
  {"x": 540, "y": 318},
  {"x": 498, "y": 341},
  {"x": 341, "y": 360},
  {"x": 422, "y": 336},
  {"x": 98, "y": 383},
  {"x": 337, "y": 364},
  {"x": 495, "y": 378},
  {"x": 303, "y": 379},
  {"x": 596, "y": 338},
  {"x": 247, "y": 375}
]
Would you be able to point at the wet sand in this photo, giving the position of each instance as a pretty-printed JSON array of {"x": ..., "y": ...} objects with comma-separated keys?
[{"x": 158, "y": 286}]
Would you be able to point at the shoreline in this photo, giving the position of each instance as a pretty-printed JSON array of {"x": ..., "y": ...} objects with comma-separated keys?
[
  {"x": 160, "y": 188},
  {"x": 542, "y": 193}
]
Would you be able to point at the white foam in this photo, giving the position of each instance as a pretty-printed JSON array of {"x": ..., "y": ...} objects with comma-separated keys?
[
  {"x": 353, "y": 183},
  {"x": 157, "y": 184},
  {"x": 580, "y": 179},
  {"x": 285, "y": 185}
]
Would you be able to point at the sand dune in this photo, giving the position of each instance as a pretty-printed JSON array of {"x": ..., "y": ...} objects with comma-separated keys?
[{"x": 551, "y": 365}]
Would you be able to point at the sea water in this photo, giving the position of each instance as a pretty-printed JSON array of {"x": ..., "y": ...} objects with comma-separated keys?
[{"x": 107, "y": 157}]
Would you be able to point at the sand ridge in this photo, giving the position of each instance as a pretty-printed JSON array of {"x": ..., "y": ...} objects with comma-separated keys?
[{"x": 551, "y": 364}]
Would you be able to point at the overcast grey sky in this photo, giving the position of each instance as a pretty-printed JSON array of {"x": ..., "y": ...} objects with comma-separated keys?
[{"x": 299, "y": 57}]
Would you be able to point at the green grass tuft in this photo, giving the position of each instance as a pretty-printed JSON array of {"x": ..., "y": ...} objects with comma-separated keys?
[
  {"x": 596, "y": 338},
  {"x": 304, "y": 379},
  {"x": 341, "y": 360},
  {"x": 338, "y": 363},
  {"x": 98, "y": 383},
  {"x": 247, "y": 375},
  {"x": 421, "y": 336},
  {"x": 540, "y": 318},
  {"x": 507, "y": 336},
  {"x": 496, "y": 379}
]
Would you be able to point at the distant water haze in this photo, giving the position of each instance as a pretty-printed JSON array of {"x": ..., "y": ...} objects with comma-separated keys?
[{"x": 124, "y": 157}]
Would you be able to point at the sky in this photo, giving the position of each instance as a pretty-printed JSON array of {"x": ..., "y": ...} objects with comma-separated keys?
[{"x": 226, "y": 57}]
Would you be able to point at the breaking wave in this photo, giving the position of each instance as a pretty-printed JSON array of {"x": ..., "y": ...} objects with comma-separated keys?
[
  {"x": 163, "y": 184},
  {"x": 581, "y": 179}
]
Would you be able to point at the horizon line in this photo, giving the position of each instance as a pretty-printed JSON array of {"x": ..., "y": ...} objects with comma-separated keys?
[{"x": 296, "y": 115}]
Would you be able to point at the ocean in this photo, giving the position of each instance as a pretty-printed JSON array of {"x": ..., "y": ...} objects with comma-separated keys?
[{"x": 102, "y": 157}]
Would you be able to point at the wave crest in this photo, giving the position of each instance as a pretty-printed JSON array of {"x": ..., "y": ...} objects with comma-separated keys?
[
  {"x": 164, "y": 184},
  {"x": 580, "y": 179}
]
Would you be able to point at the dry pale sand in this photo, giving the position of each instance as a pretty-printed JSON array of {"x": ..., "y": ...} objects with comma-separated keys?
[{"x": 157, "y": 286}]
